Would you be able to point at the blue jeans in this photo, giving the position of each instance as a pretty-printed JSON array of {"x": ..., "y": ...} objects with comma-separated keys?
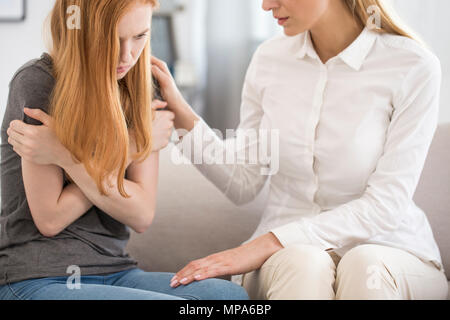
[{"x": 134, "y": 284}]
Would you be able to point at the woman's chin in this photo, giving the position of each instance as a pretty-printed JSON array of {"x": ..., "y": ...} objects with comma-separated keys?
[
  {"x": 291, "y": 32},
  {"x": 120, "y": 76}
]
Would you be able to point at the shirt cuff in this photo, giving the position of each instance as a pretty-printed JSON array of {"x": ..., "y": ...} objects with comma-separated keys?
[{"x": 292, "y": 234}]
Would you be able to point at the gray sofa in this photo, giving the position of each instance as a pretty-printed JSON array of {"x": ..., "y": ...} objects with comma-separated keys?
[{"x": 194, "y": 219}]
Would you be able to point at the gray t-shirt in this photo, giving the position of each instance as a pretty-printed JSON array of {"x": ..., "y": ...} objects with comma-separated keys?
[{"x": 95, "y": 242}]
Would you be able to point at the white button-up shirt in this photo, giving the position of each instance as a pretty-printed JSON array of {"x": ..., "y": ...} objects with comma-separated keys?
[{"x": 354, "y": 134}]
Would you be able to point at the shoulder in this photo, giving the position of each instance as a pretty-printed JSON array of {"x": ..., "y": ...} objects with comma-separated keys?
[
  {"x": 31, "y": 86},
  {"x": 416, "y": 54},
  {"x": 33, "y": 79},
  {"x": 419, "y": 67},
  {"x": 34, "y": 76}
]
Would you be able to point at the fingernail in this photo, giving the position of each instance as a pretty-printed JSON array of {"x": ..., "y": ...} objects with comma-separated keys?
[
  {"x": 197, "y": 276},
  {"x": 183, "y": 280},
  {"x": 173, "y": 283}
]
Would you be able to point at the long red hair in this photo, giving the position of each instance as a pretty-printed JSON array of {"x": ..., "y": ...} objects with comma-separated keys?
[{"x": 93, "y": 112}]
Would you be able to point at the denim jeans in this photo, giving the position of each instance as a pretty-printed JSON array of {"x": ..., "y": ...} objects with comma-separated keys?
[{"x": 134, "y": 284}]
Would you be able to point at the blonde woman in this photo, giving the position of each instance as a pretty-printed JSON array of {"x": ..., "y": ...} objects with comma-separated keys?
[
  {"x": 355, "y": 99},
  {"x": 66, "y": 212}
]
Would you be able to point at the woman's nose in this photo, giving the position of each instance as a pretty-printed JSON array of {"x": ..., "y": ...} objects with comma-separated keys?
[
  {"x": 125, "y": 53},
  {"x": 268, "y": 5}
]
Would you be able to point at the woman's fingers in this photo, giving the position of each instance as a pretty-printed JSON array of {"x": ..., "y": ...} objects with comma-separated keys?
[
  {"x": 199, "y": 270},
  {"x": 161, "y": 64},
  {"x": 19, "y": 126},
  {"x": 39, "y": 115},
  {"x": 169, "y": 115},
  {"x": 14, "y": 143},
  {"x": 17, "y": 146},
  {"x": 158, "y": 104},
  {"x": 15, "y": 135},
  {"x": 159, "y": 75},
  {"x": 184, "y": 276},
  {"x": 209, "y": 272},
  {"x": 165, "y": 115},
  {"x": 162, "y": 74}
]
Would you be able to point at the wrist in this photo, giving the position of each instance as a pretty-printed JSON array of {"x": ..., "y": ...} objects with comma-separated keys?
[
  {"x": 180, "y": 104},
  {"x": 185, "y": 118},
  {"x": 65, "y": 160},
  {"x": 272, "y": 243},
  {"x": 267, "y": 245}
]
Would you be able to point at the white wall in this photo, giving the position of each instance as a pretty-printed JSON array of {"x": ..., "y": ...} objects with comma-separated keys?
[{"x": 21, "y": 42}]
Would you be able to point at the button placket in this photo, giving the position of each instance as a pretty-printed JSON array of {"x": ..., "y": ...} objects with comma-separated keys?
[{"x": 317, "y": 109}]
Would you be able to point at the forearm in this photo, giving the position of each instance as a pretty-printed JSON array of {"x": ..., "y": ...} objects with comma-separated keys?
[
  {"x": 53, "y": 206},
  {"x": 136, "y": 212},
  {"x": 185, "y": 117},
  {"x": 240, "y": 179},
  {"x": 261, "y": 249},
  {"x": 71, "y": 205}
]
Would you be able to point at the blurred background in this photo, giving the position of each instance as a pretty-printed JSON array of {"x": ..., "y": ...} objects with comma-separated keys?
[{"x": 208, "y": 45}]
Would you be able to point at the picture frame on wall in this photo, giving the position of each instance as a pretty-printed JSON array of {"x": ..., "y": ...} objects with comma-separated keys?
[{"x": 13, "y": 10}]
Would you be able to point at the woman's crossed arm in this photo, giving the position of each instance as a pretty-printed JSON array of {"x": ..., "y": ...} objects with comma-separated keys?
[{"x": 53, "y": 207}]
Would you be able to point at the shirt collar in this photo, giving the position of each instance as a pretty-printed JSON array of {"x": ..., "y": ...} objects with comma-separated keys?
[
  {"x": 354, "y": 55},
  {"x": 306, "y": 46}
]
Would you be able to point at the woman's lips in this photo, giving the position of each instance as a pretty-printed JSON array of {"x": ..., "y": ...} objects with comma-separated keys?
[
  {"x": 282, "y": 21},
  {"x": 122, "y": 69}
]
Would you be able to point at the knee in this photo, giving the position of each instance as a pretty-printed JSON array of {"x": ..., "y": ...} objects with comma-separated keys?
[
  {"x": 218, "y": 289},
  {"x": 363, "y": 273},
  {"x": 301, "y": 258},
  {"x": 297, "y": 272},
  {"x": 361, "y": 258}
]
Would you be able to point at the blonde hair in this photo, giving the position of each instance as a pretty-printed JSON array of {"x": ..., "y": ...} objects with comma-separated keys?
[
  {"x": 390, "y": 22},
  {"x": 92, "y": 111}
]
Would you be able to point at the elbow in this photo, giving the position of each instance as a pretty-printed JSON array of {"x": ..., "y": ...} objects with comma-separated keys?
[
  {"x": 241, "y": 201},
  {"x": 245, "y": 192},
  {"x": 145, "y": 223},
  {"x": 141, "y": 228},
  {"x": 47, "y": 228}
]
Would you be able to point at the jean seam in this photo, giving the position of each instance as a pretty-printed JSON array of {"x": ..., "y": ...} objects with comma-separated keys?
[
  {"x": 186, "y": 296},
  {"x": 14, "y": 293}
]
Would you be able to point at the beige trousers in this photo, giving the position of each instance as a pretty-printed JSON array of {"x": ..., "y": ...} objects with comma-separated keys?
[{"x": 365, "y": 272}]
